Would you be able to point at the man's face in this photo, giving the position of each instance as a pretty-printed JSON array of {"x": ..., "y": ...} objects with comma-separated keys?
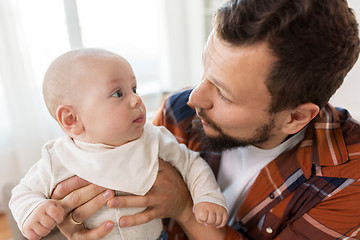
[{"x": 232, "y": 99}]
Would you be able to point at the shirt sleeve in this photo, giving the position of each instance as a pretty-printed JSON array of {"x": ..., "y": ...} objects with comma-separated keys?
[
  {"x": 337, "y": 217},
  {"x": 33, "y": 189}
]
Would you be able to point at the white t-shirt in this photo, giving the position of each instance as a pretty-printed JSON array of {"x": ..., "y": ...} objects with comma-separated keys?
[{"x": 240, "y": 167}]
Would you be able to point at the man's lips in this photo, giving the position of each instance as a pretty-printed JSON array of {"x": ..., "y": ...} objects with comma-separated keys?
[{"x": 203, "y": 121}]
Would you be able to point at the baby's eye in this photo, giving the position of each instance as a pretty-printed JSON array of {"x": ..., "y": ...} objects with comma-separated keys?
[
  {"x": 117, "y": 94},
  {"x": 134, "y": 89}
]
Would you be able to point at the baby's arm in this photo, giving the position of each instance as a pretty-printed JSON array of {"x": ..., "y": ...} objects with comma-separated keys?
[
  {"x": 210, "y": 205},
  {"x": 31, "y": 194},
  {"x": 43, "y": 219},
  {"x": 210, "y": 214}
]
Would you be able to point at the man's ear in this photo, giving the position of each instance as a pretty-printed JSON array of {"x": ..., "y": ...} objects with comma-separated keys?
[
  {"x": 69, "y": 121},
  {"x": 299, "y": 117}
]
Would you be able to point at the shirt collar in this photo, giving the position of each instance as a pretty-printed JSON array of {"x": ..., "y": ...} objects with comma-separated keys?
[{"x": 324, "y": 143}]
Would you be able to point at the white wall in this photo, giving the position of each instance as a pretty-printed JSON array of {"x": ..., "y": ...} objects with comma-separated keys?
[{"x": 348, "y": 95}]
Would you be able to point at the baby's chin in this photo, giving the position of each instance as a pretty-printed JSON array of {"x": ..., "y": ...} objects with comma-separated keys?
[{"x": 137, "y": 133}]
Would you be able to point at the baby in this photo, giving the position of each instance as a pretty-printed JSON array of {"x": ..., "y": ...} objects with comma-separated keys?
[{"x": 92, "y": 95}]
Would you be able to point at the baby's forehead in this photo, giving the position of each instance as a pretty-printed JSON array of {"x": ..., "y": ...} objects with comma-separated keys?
[
  {"x": 111, "y": 67},
  {"x": 93, "y": 61}
]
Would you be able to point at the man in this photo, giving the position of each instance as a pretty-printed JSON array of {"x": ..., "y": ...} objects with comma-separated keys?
[{"x": 287, "y": 161}]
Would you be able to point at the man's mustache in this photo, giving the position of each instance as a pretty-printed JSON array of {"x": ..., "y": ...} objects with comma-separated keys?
[{"x": 200, "y": 112}]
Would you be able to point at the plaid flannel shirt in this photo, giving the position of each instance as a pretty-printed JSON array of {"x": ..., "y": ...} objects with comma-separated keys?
[{"x": 309, "y": 192}]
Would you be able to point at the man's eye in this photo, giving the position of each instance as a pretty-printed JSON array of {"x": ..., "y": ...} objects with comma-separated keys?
[
  {"x": 117, "y": 94},
  {"x": 222, "y": 97},
  {"x": 134, "y": 89}
]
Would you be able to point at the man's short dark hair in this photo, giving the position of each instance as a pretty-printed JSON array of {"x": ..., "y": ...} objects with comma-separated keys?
[{"x": 316, "y": 43}]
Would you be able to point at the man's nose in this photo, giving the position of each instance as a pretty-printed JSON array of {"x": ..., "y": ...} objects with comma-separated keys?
[{"x": 202, "y": 95}]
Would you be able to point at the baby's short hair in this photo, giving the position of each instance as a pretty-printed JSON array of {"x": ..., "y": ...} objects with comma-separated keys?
[{"x": 58, "y": 77}]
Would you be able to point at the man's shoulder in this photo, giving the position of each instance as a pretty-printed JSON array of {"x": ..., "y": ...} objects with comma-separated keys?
[{"x": 347, "y": 122}]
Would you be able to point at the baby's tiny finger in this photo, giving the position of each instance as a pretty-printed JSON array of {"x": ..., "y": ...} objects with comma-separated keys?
[
  {"x": 211, "y": 219},
  {"x": 56, "y": 212},
  {"x": 218, "y": 219},
  {"x": 223, "y": 220},
  {"x": 33, "y": 236},
  {"x": 47, "y": 223},
  {"x": 41, "y": 230}
]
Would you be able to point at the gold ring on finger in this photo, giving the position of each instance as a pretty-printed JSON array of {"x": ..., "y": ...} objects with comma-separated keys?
[{"x": 73, "y": 220}]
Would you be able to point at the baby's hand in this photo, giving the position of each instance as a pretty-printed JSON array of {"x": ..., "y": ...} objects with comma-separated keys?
[
  {"x": 210, "y": 214},
  {"x": 42, "y": 219}
]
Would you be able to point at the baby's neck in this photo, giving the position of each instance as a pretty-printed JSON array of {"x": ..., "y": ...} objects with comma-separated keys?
[{"x": 92, "y": 147}]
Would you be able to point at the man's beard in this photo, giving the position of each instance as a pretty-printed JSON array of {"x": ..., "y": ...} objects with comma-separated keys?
[{"x": 224, "y": 141}]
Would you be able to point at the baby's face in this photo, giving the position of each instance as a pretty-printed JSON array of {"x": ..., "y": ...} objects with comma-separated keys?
[{"x": 109, "y": 107}]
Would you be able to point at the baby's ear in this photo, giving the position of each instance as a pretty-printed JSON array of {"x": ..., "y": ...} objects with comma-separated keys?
[{"x": 69, "y": 121}]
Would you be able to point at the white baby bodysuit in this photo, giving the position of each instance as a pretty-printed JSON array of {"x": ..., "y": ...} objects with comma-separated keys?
[{"x": 129, "y": 169}]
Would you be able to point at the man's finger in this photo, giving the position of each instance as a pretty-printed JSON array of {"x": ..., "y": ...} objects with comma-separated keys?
[
  {"x": 95, "y": 233},
  {"x": 80, "y": 233},
  {"x": 129, "y": 201},
  {"x": 137, "y": 219},
  {"x": 67, "y": 226},
  {"x": 88, "y": 209},
  {"x": 67, "y": 186},
  {"x": 80, "y": 196}
]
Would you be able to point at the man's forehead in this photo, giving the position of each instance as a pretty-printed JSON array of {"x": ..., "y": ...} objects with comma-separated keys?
[
  {"x": 228, "y": 65},
  {"x": 214, "y": 54}
]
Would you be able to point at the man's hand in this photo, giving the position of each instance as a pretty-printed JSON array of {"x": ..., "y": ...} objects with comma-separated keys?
[
  {"x": 83, "y": 200},
  {"x": 168, "y": 197}
]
